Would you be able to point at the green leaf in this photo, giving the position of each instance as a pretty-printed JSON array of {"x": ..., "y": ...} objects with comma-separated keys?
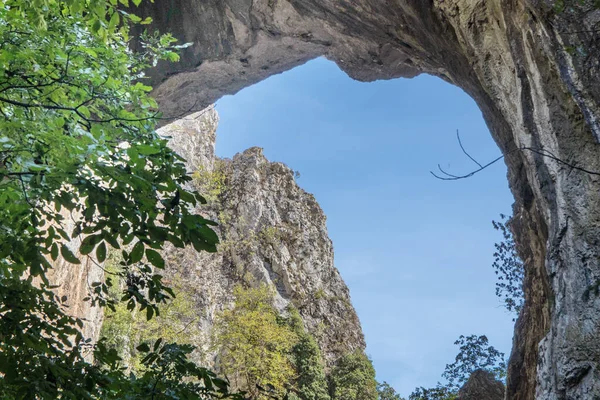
[
  {"x": 147, "y": 150},
  {"x": 89, "y": 243},
  {"x": 114, "y": 20},
  {"x": 59, "y": 122},
  {"x": 54, "y": 251},
  {"x": 172, "y": 56},
  {"x": 68, "y": 255},
  {"x": 149, "y": 313},
  {"x": 101, "y": 252},
  {"x": 144, "y": 348},
  {"x": 84, "y": 111},
  {"x": 136, "y": 253},
  {"x": 155, "y": 258}
]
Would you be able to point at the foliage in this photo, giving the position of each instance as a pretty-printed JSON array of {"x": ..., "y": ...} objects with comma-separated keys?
[
  {"x": 311, "y": 382},
  {"x": 353, "y": 378},
  {"x": 124, "y": 330},
  {"x": 508, "y": 268},
  {"x": 167, "y": 374},
  {"x": 80, "y": 162},
  {"x": 211, "y": 182},
  {"x": 437, "y": 393},
  {"x": 475, "y": 353},
  {"x": 386, "y": 392},
  {"x": 560, "y": 6},
  {"x": 255, "y": 344}
]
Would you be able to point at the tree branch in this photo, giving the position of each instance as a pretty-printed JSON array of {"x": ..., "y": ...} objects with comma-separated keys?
[{"x": 446, "y": 176}]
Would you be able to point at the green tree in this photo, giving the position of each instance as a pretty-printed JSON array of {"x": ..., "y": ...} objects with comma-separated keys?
[
  {"x": 353, "y": 378},
  {"x": 437, "y": 393},
  {"x": 474, "y": 353},
  {"x": 386, "y": 392},
  {"x": 125, "y": 330},
  {"x": 255, "y": 344},
  {"x": 311, "y": 382},
  {"x": 82, "y": 170}
]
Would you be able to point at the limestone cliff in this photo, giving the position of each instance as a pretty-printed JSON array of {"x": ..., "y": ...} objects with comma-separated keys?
[
  {"x": 533, "y": 68},
  {"x": 271, "y": 232}
]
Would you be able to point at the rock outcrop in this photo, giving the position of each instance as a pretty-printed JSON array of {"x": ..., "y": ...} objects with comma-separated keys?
[
  {"x": 533, "y": 68},
  {"x": 482, "y": 385},
  {"x": 272, "y": 232}
]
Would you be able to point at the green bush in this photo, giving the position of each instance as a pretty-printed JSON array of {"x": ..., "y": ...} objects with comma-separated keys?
[
  {"x": 255, "y": 345},
  {"x": 311, "y": 382},
  {"x": 353, "y": 378}
]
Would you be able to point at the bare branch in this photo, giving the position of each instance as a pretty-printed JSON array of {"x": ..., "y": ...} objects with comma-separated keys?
[
  {"x": 546, "y": 153},
  {"x": 464, "y": 151},
  {"x": 451, "y": 177},
  {"x": 446, "y": 176}
]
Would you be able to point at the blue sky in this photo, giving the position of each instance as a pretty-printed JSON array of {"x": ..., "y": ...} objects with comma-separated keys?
[{"x": 416, "y": 252}]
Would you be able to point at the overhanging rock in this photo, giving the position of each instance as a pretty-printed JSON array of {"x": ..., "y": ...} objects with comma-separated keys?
[{"x": 533, "y": 72}]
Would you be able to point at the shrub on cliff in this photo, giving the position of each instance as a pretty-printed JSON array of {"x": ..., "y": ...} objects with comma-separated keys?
[
  {"x": 508, "y": 268},
  {"x": 255, "y": 345},
  {"x": 310, "y": 382},
  {"x": 353, "y": 378}
]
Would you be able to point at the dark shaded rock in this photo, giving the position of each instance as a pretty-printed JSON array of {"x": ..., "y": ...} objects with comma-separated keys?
[{"x": 482, "y": 385}]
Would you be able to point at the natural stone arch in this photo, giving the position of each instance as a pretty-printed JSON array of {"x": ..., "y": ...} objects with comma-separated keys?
[{"x": 511, "y": 57}]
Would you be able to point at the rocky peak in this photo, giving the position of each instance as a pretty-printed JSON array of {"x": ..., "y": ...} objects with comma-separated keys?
[
  {"x": 271, "y": 232},
  {"x": 482, "y": 385}
]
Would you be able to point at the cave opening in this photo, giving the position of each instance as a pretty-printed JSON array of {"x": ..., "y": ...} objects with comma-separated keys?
[{"x": 416, "y": 252}]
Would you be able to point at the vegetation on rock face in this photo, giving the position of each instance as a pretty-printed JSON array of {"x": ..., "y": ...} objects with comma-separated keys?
[
  {"x": 509, "y": 268},
  {"x": 266, "y": 354},
  {"x": 353, "y": 378},
  {"x": 83, "y": 170},
  {"x": 311, "y": 381},
  {"x": 212, "y": 183},
  {"x": 125, "y": 330},
  {"x": 255, "y": 344}
]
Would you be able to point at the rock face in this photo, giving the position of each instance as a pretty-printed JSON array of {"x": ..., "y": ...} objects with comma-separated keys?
[
  {"x": 271, "y": 232},
  {"x": 533, "y": 68},
  {"x": 481, "y": 386}
]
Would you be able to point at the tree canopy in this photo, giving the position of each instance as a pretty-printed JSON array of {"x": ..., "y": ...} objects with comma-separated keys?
[
  {"x": 82, "y": 170},
  {"x": 353, "y": 378},
  {"x": 255, "y": 345}
]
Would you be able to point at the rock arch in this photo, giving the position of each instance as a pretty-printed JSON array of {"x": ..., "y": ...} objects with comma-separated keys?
[{"x": 532, "y": 71}]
